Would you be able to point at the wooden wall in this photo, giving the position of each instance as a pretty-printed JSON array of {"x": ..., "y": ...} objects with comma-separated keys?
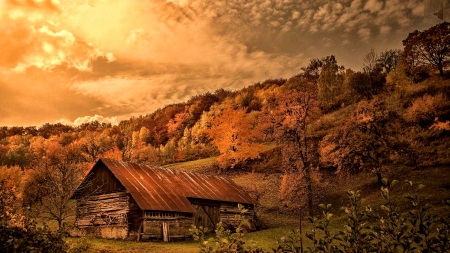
[
  {"x": 100, "y": 181},
  {"x": 228, "y": 212},
  {"x": 175, "y": 225},
  {"x": 104, "y": 215}
]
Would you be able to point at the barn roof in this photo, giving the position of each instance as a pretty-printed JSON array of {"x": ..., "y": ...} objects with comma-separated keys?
[{"x": 156, "y": 188}]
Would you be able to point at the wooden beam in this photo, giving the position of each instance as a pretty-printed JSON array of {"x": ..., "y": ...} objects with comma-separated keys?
[{"x": 139, "y": 231}]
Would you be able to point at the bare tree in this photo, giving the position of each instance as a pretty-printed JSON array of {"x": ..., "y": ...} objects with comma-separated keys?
[{"x": 52, "y": 182}]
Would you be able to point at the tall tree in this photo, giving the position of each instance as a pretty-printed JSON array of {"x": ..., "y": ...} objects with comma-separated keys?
[
  {"x": 330, "y": 83},
  {"x": 428, "y": 48},
  {"x": 290, "y": 120}
]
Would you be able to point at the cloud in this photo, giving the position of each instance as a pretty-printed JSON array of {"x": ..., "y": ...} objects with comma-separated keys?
[
  {"x": 364, "y": 34},
  {"x": 384, "y": 30},
  {"x": 49, "y": 5},
  {"x": 87, "y": 119},
  {"x": 68, "y": 59},
  {"x": 373, "y": 6},
  {"x": 35, "y": 40}
]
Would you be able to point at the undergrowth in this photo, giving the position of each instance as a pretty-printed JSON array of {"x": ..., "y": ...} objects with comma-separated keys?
[{"x": 390, "y": 227}]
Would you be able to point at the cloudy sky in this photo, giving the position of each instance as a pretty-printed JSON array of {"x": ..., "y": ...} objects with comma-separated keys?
[{"x": 72, "y": 61}]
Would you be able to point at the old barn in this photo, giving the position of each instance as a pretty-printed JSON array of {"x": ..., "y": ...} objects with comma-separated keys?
[{"x": 126, "y": 200}]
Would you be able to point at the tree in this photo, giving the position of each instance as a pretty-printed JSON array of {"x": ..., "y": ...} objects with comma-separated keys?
[
  {"x": 363, "y": 142},
  {"x": 371, "y": 80},
  {"x": 53, "y": 180},
  {"x": 429, "y": 48},
  {"x": 367, "y": 84},
  {"x": 388, "y": 60},
  {"x": 330, "y": 83},
  {"x": 297, "y": 108},
  {"x": 94, "y": 144},
  {"x": 234, "y": 134}
]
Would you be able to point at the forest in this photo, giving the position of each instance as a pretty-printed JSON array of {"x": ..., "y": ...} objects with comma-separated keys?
[{"x": 326, "y": 120}]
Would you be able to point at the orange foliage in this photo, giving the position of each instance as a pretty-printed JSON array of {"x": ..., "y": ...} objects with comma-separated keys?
[
  {"x": 113, "y": 153},
  {"x": 233, "y": 133}
]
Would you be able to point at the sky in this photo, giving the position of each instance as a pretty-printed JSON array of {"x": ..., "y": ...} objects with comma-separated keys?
[{"x": 74, "y": 61}]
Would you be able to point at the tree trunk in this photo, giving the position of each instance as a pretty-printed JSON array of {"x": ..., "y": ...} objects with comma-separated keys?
[
  {"x": 379, "y": 177},
  {"x": 309, "y": 191},
  {"x": 441, "y": 71}
]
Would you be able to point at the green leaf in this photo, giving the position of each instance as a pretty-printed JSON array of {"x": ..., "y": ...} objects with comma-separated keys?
[
  {"x": 384, "y": 180},
  {"x": 393, "y": 183},
  {"x": 322, "y": 206},
  {"x": 329, "y": 216},
  {"x": 420, "y": 187}
]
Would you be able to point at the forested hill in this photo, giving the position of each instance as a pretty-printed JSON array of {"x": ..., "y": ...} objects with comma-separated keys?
[{"x": 396, "y": 110}]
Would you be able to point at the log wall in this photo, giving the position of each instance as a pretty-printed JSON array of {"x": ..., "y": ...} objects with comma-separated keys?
[
  {"x": 104, "y": 215},
  {"x": 228, "y": 212},
  {"x": 177, "y": 225}
]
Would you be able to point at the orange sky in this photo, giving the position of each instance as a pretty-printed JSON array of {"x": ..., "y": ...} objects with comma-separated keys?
[{"x": 77, "y": 60}]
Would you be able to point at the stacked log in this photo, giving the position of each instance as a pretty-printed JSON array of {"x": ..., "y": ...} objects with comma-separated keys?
[{"x": 104, "y": 215}]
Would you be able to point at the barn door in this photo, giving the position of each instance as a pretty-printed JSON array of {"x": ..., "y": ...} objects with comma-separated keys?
[{"x": 207, "y": 216}]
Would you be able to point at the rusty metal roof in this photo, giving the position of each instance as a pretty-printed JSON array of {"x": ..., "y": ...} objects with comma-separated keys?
[{"x": 156, "y": 188}]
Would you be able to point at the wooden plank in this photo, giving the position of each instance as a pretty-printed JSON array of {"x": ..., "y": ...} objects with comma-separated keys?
[
  {"x": 139, "y": 231},
  {"x": 165, "y": 231}
]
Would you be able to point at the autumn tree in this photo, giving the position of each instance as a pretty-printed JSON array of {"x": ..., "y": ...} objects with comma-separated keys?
[
  {"x": 13, "y": 178},
  {"x": 291, "y": 120},
  {"x": 430, "y": 48},
  {"x": 17, "y": 151},
  {"x": 52, "y": 181},
  {"x": 94, "y": 144},
  {"x": 363, "y": 142},
  {"x": 234, "y": 134}
]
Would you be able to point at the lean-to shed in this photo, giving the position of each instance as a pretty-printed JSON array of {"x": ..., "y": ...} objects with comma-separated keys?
[{"x": 126, "y": 200}]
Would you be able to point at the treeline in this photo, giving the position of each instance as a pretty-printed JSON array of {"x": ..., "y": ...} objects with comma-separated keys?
[{"x": 395, "y": 110}]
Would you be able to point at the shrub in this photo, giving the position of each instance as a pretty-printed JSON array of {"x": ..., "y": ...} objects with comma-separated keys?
[
  {"x": 388, "y": 229},
  {"x": 20, "y": 234},
  {"x": 419, "y": 229},
  {"x": 425, "y": 109},
  {"x": 225, "y": 240}
]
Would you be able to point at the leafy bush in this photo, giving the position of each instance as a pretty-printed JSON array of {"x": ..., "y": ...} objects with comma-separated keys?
[
  {"x": 418, "y": 228},
  {"x": 20, "y": 234},
  {"x": 80, "y": 245},
  {"x": 225, "y": 240}
]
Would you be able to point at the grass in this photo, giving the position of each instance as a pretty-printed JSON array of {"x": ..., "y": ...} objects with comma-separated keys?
[
  {"x": 97, "y": 245},
  {"x": 265, "y": 239},
  {"x": 194, "y": 166}
]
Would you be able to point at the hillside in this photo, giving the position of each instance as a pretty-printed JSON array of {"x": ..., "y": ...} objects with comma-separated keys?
[{"x": 292, "y": 143}]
